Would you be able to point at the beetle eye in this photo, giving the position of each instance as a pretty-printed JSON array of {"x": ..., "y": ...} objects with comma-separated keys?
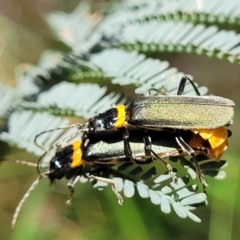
[{"x": 57, "y": 164}]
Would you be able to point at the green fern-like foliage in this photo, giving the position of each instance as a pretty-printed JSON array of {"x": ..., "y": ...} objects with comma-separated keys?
[{"x": 112, "y": 54}]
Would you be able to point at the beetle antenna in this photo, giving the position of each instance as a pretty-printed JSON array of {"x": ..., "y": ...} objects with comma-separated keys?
[
  {"x": 21, "y": 162},
  {"x": 24, "y": 198},
  {"x": 78, "y": 125}
]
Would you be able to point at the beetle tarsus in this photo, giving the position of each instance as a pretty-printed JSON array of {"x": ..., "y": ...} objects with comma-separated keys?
[
  {"x": 71, "y": 188},
  {"x": 203, "y": 182},
  {"x": 109, "y": 181},
  {"x": 173, "y": 176},
  {"x": 118, "y": 195}
]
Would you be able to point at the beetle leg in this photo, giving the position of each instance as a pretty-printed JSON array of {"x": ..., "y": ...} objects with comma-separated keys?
[
  {"x": 182, "y": 85},
  {"x": 71, "y": 188},
  {"x": 109, "y": 181},
  {"x": 127, "y": 148},
  {"x": 191, "y": 152},
  {"x": 148, "y": 147}
]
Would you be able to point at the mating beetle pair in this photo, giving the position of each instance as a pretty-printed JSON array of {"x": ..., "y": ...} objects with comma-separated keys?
[
  {"x": 182, "y": 124},
  {"x": 205, "y": 116}
]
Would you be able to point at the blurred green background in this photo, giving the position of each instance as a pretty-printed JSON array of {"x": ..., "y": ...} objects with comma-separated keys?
[{"x": 96, "y": 215}]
